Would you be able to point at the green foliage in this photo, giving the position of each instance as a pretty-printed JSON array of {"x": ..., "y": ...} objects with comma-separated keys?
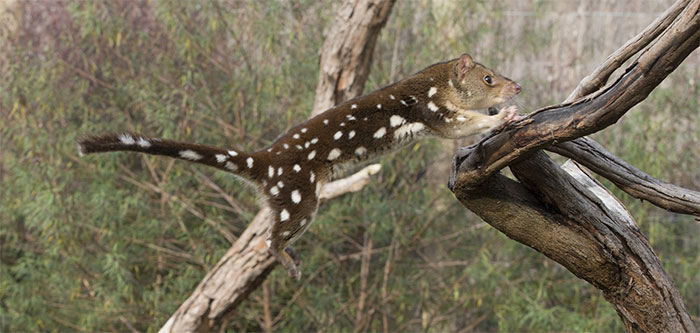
[{"x": 118, "y": 240}]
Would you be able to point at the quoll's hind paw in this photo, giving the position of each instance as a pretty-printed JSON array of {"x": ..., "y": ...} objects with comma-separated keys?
[
  {"x": 286, "y": 257},
  {"x": 294, "y": 272},
  {"x": 295, "y": 257}
]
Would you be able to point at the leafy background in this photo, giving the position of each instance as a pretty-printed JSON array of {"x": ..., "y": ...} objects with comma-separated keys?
[{"x": 118, "y": 241}]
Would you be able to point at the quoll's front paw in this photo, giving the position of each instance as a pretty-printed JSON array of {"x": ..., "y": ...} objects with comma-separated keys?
[{"x": 510, "y": 114}]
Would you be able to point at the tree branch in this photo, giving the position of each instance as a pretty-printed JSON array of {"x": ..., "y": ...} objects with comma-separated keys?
[
  {"x": 555, "y": 124},
  {"x": 628, "y": 178},
  {"x": 572, "y": 219},
  {"x": 600, "y": 75},
  {"x": 346, "y": 54}
]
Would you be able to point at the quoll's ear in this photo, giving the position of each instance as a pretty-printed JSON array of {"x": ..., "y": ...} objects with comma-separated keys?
[{"x": 464, "y": 65}]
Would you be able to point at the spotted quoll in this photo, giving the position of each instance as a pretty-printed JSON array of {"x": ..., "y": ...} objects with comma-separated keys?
[{"x": 440, "y": 100}]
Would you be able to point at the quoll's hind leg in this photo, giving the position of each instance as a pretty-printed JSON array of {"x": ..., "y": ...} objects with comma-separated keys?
[
  {"x": 278, "y": 248},
  {"x": 293, "y": 219}
]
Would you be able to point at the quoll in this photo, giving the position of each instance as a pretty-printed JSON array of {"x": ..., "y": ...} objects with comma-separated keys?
[{"x": 440, "y": 100}]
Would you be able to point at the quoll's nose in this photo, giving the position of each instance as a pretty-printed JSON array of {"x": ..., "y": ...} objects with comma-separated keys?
[{"x": 517, "y": 88}]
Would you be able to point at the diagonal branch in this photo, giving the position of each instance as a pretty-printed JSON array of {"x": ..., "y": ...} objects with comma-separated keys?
[
  {"x": 628, "y": 178},
  {"x": 600, "y": 75}
]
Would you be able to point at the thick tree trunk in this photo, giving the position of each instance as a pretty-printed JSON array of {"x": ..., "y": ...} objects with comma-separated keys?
[
  {"x": 565, "y": 217},
  {"x": 345, "y": 62}
]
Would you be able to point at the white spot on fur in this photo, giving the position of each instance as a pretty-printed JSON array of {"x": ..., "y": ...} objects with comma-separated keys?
[
  {"x": 232, "y": 153},
  {"x": 284, "y": 215},
  {"x": 249, "y": 161},
  {"x": 312, "y": 177},
  {"x": 450, "y": 83},
  {"x": 270, "y": 171},
  {"x": 360, "y": 151},
  {"x": 286, "y": 146},
  {"x": 379, "y": 106},
  {"x": 296, "y": 167},
  {"x": 354, "y": 106},
  {"x": 268, "y": 242},
  {"x": 296, "y": 135},
  {"x": 307, "y": 144},
  {"x": 285, "y": 234},
  {"x": 325, "y": 121},
  {"x": 432, "y": 92},
  {"x": 299, "y": 147},
  {"x": 461, "y": 118},
  {"x": 220, "y": 158},
  {"x": 303, "y": 130},
  {"x": 396, "y": 121},
  {"x": 274, "y": 191},
  {"x": 365, "y": 118},
  {"x": 277, "y": 153},
  {"x": 451, "y": 106},
  {"x": 126, "y": 139},
  {"x": 269, "y": 150},
  {"x": 380, "y": 133},
  {"x": 296, "y": 197},
  {"x": 392, "y": 97},
  {"x": 229, "y": 165},
  {"x": 342, "y": 124},
  {"x": 408, "y": 129},
  {"x": 312, "y": 154},
  {"x": 302, "y": 223},
  {"x": 314, "y": 140},
  {"x": 351, "y": 135},
  {"x": 279, "y": 171},
  {"x": 448, "y": 120},
  {"x": 280, "y": 184},
  {"x": 432, "y": 106},
  {"x": 334, "y": 154},
  {"x": 190, "y": 155},
  {"x": 350, "y": 117},
  {"x": 144, "y": 143},
  {"x": 337, "y": 135}
]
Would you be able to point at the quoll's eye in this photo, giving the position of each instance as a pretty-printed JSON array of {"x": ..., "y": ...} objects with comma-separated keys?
[{"x": 488, "y": 80}]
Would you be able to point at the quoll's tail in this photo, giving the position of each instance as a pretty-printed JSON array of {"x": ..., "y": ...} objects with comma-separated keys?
[{"x": 235, "y": 162}]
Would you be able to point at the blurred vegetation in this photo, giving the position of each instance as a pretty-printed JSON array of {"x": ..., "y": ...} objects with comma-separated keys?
[{"x": 118, "y": 241}]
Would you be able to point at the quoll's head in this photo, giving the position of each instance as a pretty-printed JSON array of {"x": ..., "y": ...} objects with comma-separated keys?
[{"x": 479, "y": 87}]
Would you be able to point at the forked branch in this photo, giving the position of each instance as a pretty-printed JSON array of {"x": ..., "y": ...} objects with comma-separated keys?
[{"x": 556, "y": 214}]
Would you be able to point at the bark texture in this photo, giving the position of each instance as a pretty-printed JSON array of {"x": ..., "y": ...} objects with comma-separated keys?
[
  {"x": 345, "y": 64},
  {"x": 628, "y": 178},
  {"x": 566, "y": 216},
  {"x": 346, "y": 54}
]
